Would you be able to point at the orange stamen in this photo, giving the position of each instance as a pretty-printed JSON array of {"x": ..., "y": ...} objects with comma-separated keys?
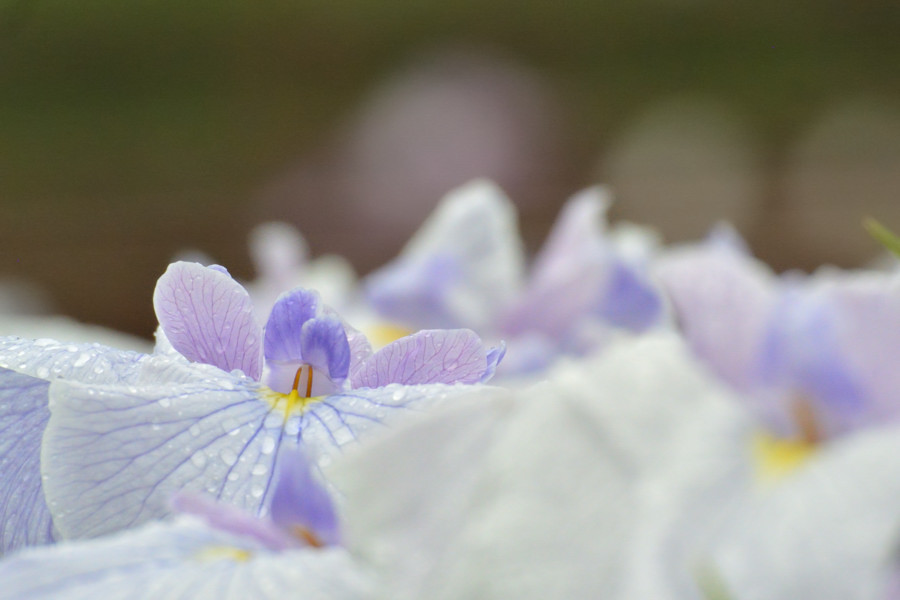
[
  {"x": 297, "y": 379},
  {"x": 307, "y": 536},
  {"x": 309, "y": 373}
]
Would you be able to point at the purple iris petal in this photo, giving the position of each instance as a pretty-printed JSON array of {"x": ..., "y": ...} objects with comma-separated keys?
[
  {"x": 325, "y": 347},
  {"x": 802, "y": 354},
  {"x": 429, "y": 356},
  {"x": 417, "y": 293},
  {"x": 494, "y": 356},
  {"x": 630, "y": 301},
  {"x": 300, "y": 500},
  {"x": 283, "y": 329},
  {"x": 24, "y": 517},
  {"x": 207, "y": 317}
]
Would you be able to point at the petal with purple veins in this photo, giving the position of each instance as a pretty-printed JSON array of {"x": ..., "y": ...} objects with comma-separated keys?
[
  {"x": 24, "y": 517},
  {"x": 429, "y": 356},
  {"x": 50, "y": 359},
  {"x": 208, "y": 317},
  {"x": 113, "y": 455}
]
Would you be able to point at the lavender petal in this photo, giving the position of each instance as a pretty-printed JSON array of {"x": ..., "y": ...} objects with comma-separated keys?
[
  {"x": 723, "y": 301},
  {"x": 429, "y": 356},
  {"x": 630, "y": 300},
  {"x": 325, "y": 347},
  {"x": 283, "y": 329},
  {"x": 207, "y": 317}
]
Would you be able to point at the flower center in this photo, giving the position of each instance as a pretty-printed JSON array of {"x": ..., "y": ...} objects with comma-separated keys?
[
  {"x": 293, "y": 403},
  {"x": 777, "y": 457}
]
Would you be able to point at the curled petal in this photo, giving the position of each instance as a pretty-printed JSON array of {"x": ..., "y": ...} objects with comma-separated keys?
[
  {"x": 429, "y": 356},
  {"x": 208, "y": 317},
  {"x": 325, "y": 347},
  {"x": 283, "y": 329}
]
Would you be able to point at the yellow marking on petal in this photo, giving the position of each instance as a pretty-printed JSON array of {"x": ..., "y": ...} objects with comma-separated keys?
[
  {"x": 224, "y": 553},
  {"x": 288, "y": 405},
  {"x": 293, "y": 403},
  {"x": 775, "y": 458},
  {"x": 384, "y": 333}
]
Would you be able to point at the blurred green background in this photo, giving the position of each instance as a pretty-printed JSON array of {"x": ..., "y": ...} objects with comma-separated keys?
[{"x": 130, "y": 131}]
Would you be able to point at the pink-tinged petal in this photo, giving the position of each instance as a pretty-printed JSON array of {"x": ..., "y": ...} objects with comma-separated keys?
[
  {"x": 429, "y": 356},
  {"x": 228, "y": 518},
  {"x": 723, "y": 301},
  {"x": 208, "y": 317},
  {"x": 576, "y": 234}
]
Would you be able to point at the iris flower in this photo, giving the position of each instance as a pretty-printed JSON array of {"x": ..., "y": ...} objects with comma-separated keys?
[
  {"x": 809, "y": 354},
  {"x": 465, "y": 268},
  {"x": 211, "y": 410}
]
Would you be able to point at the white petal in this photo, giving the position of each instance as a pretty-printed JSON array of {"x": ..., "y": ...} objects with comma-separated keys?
[
  {"x": 24, "y": 517},
  {"x": 826, "y": 532},
  {"x": 179, "y": 561},
  {"x": 113, "y": 455},
  {"x": 51, "y": 359}
]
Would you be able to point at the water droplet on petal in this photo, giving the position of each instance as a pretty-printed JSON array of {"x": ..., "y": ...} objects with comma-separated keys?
[
  {"x": 228, "y": 456},
  {"x": 199, "y": 459}
]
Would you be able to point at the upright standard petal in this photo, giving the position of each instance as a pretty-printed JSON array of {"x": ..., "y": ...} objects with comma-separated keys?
[
  {"x": 723, "y": 301},
  {"x": 568, "y": 274},
  {"x": 429, "y": 356},
  {"x": 24, "y": 517},
  {"x": 463, "y": 266},
  {"x": 291, "y": 311},
  {"x": 184, "y": 560},
  {"x": 208, "y": 317}
]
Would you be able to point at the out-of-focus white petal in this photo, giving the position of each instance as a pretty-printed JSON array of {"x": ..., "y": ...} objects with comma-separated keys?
[
  {"x": 612, "y": 471},
  {"x": 184, "y": 560},
  {"x": 827, "y": 532}
]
